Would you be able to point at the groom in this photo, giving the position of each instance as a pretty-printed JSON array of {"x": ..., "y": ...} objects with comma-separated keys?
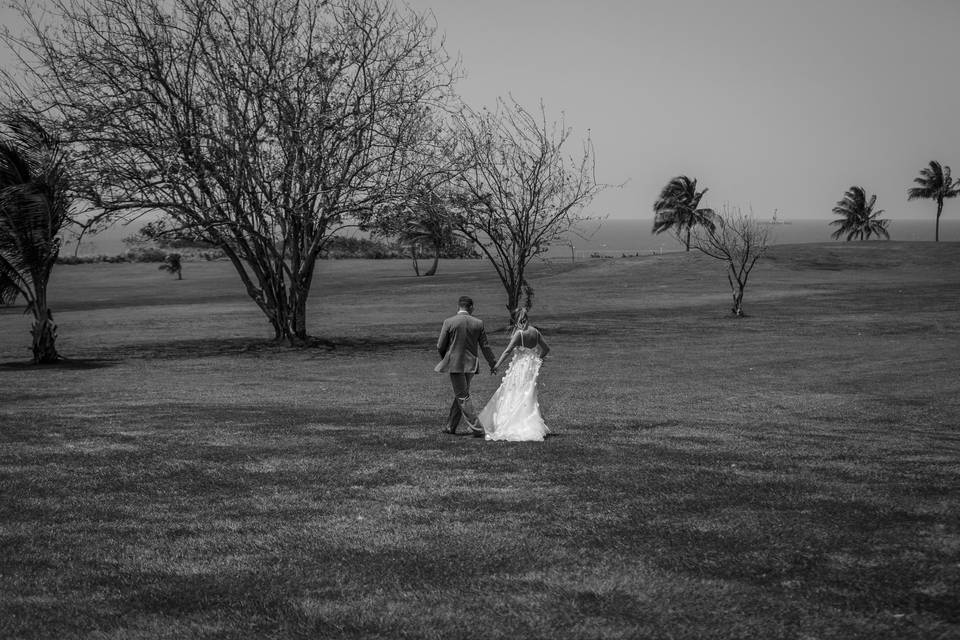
[{"x": 461, "y": 337}]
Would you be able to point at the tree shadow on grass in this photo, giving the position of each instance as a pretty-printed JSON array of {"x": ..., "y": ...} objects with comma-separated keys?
[
  {"x": 258, "y": 419},
  {"x": 344, "y": 344},
  {"x": 769, "y": 529},
  {"x": 207, "y": 348},
  {"x": 62, "y": 364}
]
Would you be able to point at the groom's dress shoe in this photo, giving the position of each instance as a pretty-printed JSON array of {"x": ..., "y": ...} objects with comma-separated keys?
[
  {"x": 477, "y": 433},
  {"x": 450, "y": 432}
]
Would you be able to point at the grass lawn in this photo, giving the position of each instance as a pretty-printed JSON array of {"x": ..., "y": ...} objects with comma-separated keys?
[{"x": 791, "y": 474}]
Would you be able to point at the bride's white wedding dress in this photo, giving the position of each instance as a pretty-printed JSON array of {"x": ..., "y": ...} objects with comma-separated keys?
[{"x": 513, "y": 413}]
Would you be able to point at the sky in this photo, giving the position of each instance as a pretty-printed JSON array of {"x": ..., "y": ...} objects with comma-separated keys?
[{"x": 769, "y": 104}]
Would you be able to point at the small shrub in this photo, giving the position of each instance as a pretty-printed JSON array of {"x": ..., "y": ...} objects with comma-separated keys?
[{"x": 172, "y": 264}]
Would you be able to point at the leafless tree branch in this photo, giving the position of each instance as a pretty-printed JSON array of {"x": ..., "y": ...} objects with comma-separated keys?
[
  {"x": 264, "y": 125},
  {"x": 738, "y": 240}
]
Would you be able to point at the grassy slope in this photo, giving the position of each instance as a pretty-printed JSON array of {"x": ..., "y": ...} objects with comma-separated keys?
[{"x": 793, "y": 474}]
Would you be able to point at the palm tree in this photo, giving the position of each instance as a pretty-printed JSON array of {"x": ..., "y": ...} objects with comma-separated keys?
[
  {"x": 935, "y": 184},
  {"x": 857, "y": 217},
  {"x": 677, "y": 209},
  {"x": 34, "y": 207}
]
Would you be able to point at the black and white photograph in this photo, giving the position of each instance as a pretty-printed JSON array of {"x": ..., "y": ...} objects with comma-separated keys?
[{"x": 479, "y": 320}]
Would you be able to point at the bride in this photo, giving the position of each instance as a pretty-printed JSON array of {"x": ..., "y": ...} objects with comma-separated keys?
[{"x": 513, "y": 412}]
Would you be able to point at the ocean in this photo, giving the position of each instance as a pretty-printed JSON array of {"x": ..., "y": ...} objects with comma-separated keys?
[
  {"x": 617, "y": 237},
  {"x": 609, "y": 237}
]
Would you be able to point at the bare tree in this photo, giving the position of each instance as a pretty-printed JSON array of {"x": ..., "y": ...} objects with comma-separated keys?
[
  {"x": 516, "y": 190},
  {"x": 260, "y": 126},
  {"x": 737, "y": 239}
]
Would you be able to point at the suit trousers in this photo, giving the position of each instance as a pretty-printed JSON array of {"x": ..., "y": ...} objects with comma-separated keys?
[{"x": 462, "y": 403}]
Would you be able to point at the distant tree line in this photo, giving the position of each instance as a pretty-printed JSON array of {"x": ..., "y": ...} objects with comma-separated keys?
[{"x": 380, "y": 246}]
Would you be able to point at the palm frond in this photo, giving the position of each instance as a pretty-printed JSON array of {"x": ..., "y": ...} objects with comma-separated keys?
[
  {"x": 857, "y": 219},
  {"x": 34, "y": 205},
  {"x": 9, "y": 289},
  {"x": 935, "y": 182},
  {"x": 677, "y": 207},
  {"x": 14, "y": 168}
]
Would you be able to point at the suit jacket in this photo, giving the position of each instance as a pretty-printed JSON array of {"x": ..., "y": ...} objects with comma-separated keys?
[{"x": 461, "y": 339}]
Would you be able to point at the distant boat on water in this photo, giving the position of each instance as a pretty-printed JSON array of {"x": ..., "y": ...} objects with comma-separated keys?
[{"x": 776, "y": 220}]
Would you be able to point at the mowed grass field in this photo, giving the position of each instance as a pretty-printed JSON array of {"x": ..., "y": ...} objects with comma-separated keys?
[{"x": 791, "y": 474}]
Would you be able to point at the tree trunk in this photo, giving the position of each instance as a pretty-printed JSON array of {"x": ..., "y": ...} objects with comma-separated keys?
[
  {"x": 44, "y": 332},
  {"x": 939, "y": 211},
  {"x": 688, "y": 238},
  {"x": 413, "y": 254},
  {"x": 290, "y": 322},
  {"x": 513, "y": 302},
  {"x": 736, "y": 288},
  {"x": 297, "y": 302},
  {"x": 738, "y": 303},
  {"x": 284, "y": 307},
  {"x": 299, "y": 317},
  {"x": 281, "y": 328},
  {"x": 515, "y": 294},
  {"x": 436, "y": 261}
]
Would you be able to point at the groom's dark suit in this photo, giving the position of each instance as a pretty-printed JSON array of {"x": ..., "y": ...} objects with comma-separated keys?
[{"x": 461, "y": 339}]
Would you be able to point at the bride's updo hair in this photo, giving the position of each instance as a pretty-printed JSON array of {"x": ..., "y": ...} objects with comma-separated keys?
[{"x": 521, "y": 318}]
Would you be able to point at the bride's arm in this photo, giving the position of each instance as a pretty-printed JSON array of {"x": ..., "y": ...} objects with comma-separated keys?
[
  {"x": 544, "y": 348},
  {"x": 514, "y": 339}
]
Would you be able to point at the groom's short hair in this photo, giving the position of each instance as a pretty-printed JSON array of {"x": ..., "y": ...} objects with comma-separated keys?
[{"x": 465, "y": 301}]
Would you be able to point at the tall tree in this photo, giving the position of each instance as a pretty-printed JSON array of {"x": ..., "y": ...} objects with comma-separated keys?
[
  {"x": 738, "y": 240},
  {"x": 857, "y": 217},
  {"x": 517, "y": 188},
  {"x": 678, "y": 209},
  {"x": 935, "y": 184},
  {"x": 34, "y": 208},
  {"x": 260, "y": 126}
]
